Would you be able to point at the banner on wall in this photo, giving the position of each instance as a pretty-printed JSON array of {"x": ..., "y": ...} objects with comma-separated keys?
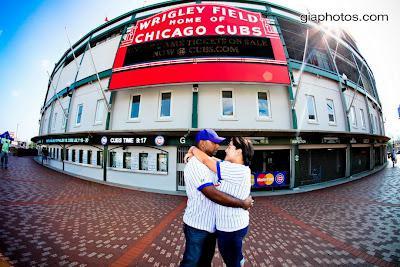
[
  {"x": 269, "y": 179},
  {"x": 197, "y": 41}
]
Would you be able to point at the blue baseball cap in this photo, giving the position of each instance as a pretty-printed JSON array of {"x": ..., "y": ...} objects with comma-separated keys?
[{"x": 210, "y": 135}]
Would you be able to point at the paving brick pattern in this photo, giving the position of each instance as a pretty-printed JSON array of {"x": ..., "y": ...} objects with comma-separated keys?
[{"x": 52, "y": 219}]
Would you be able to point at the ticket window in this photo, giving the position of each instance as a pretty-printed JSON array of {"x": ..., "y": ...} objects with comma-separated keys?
[
  {"x": 271, "y": 160},
  {"x": 270, "y": 169},
  {"x": 266, "y": 160}
]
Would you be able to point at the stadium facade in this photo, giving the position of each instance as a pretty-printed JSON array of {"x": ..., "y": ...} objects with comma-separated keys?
[{"x": 124, "y": 103}]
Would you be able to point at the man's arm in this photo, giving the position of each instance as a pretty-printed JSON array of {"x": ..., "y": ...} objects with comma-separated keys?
[{"x": 226, "y": 200}]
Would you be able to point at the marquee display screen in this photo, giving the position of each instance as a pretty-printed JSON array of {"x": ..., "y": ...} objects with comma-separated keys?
[{"x": 208, "y": 46}]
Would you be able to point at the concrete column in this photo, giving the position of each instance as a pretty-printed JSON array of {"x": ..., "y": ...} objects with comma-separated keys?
[
  {"x": 105, "y": 154},
  {"x": 371, "y": 157},
  {"x": 195, "y": 106},
  {"x": 348, "y": 160},
  {"x": 294, "y": 165},
  {"x": 64, "y": 152}
]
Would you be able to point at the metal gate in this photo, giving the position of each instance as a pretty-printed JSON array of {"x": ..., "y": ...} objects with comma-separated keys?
[{"x": 180, "y": 166}]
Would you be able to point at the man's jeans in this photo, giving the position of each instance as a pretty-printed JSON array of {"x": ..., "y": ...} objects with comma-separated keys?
[
  {"x": 4, "y": 159},
  {"x": 230, "y": 246},
  {"x": 200, "y": 247}
]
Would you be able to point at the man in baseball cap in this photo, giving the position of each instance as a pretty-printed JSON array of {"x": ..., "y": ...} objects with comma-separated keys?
[
  {"x": 210, "y": 135},
  {"x": 199, "y": 218}
]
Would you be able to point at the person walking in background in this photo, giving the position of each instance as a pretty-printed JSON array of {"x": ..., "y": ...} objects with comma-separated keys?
[
  {"x": 234, "y": 179},
  {"x": 5, "y": 149},
  {"x": 45, "y": 154},
  {"x": 393, "y": 156}
]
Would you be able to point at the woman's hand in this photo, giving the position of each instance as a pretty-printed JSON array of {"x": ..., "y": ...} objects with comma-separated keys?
[
  {"x": 189, "y": 154},
  {"x": 187, "y": 157},
  {"x": 190, "y": 151}
]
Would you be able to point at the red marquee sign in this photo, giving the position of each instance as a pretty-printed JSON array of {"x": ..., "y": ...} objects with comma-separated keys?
[{"x": 214, "y": 24}]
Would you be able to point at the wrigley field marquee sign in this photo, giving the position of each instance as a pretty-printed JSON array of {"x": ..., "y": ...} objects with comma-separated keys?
[{"x": 203, "y": 42}]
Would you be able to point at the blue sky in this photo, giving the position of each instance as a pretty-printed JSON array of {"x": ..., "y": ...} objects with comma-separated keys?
[{"x": 32, "y": 39}]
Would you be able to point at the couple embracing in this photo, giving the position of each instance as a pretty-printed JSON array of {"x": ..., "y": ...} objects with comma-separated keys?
[{"x": 218, "y": 199}]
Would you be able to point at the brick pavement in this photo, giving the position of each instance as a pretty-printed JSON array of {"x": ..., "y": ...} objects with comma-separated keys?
[{"x": 52, "y": 219}]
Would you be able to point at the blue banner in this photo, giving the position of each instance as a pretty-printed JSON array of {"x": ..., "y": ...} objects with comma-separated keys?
[{"x": 269, "y": 179}]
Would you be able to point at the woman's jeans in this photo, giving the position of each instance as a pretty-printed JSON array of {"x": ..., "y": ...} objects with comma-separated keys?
[{"x": 230, "y": 246}]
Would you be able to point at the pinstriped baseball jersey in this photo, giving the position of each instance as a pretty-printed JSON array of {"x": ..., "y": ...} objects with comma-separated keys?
[
  {"x": 200, "y": 211},
  {"x": 233, "y": 179}
]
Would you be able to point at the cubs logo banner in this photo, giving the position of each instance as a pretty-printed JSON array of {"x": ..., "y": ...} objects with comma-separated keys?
[
  {"x": 269, "y": 179},
  {"x": 200, "y": 39}
]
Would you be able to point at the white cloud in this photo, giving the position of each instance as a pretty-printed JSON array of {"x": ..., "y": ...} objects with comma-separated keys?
[{"x": 15, "y": 93}]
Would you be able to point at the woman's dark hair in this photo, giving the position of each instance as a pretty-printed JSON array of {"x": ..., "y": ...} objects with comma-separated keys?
[{"x": 247, "y": 148}]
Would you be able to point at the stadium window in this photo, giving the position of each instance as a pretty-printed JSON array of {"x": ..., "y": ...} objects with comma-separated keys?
[
  {"x": 80, "y": 156},
  {"x": 331, "y": 111},
  {"x": 100, "y": 108},
  {"x": 126, "y": 160},
  {"x": 102, "y": 38},
  {"x": 162, "y": 162},
  {"x": 372, "y": 123},
  {"x": 294, "y": 35},
  {"x": 89, "y": 157},
  {"x": 377, "y": 125},
  {"x": 67, "y": 154},
  {"x": 320, "y": 59},
  {"x": 227, "y": 104},
  {"x": 79, "y": 114},
  {"x": 165, "y": 105},
  {"x": 77, "y": 53},
  {"x": 263, "y": 105},
  {"x": 362, "y": 117},
  {"x": 113, "y": 161},
  {"x": 143, "y": 161},
  {"x": 64, "y": 121},
  {"x": 99, "y": 158},
  {"x": 365, "y": 76},
  {"x": 344, "y": 60},
  {"x": 73, "y": 155},
  {"x": 312, "y": 113},
  {"x": 353, "y": 117},
  {"x": 134, "y": 107}
]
